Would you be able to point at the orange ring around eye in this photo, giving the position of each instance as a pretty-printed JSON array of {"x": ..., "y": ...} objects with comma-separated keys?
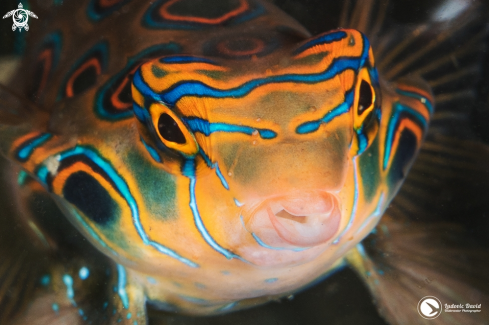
[
  {"x": 190, "y": 148},
  {"x": 359, "y": 119}
]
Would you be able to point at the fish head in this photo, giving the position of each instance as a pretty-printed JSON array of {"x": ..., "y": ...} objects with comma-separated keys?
[{"x": 264, "y": 152}]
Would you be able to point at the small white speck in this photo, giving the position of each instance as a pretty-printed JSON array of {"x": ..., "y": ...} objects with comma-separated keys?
[
  {"x": 423, "y": 100},
  {"x": 258, "y": 119},
  {"x": 52, "y": 164},
  {"x": 255, "y": 132},
  {"x": 230, "y": 174},
  {"x": 254, "y": 142}
]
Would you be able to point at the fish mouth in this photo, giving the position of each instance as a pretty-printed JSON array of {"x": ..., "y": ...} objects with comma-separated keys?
[{"x": 303, "y": 219}]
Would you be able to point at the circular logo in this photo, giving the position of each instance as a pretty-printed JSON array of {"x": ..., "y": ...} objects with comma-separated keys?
[
  {"x": 20, "y": 18},
  {"x": 429, "y": 307}
]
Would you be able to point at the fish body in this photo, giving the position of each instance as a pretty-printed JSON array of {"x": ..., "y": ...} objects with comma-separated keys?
[{"x": 215, "y": 152}]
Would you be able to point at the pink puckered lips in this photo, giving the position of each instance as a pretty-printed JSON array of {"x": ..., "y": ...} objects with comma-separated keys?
[{"x": 302, "y": 220}]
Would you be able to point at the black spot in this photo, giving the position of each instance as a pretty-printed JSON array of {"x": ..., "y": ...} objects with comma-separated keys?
[
  {"x": 169, "y": 129},
  {"x": 125, "y": 95},
  {"x": 85, "y": 80},
  {"x": 91, "y": 198},
  {"x": 404, "y": 155},
  {"x": 365, "y": 97}
]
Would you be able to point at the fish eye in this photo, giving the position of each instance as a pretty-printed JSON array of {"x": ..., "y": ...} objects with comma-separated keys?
[
  {"x": 169, "y": 129},
  {"x": 365, "y": 115},
  {"x": 365, "y": 98}
]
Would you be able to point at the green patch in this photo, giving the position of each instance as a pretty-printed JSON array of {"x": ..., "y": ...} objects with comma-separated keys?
[
  {"x": 217, "y": 75},
  {"x": 369, "y": 170},
  {"x": 158, "y": 72},
  {"x": 312, "y": 59},
  {"x": 156, "y": 186},
  {"x": 229, "y": 152}
]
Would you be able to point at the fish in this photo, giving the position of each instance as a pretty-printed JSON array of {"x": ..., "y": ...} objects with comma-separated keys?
[{"x": 202, "y": 157}]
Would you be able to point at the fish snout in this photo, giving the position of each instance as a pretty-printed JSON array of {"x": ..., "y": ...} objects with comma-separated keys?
[{"x": 301, "y": 220}]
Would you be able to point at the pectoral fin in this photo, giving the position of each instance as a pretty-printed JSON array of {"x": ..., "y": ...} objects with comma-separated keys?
[{"x": 406, "y": 261}]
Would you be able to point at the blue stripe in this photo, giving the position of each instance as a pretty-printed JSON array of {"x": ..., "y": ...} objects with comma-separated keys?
[
  {"x": 261, "y": 243},
  {"x": 221, "y": 176},
  {"x": 126, "y": 194},
  {"x": 313, "y": 126},
  {"x": 424, "y": 100},
  {"x": 228, "y": 306},
  {"x": 90, "y": 230},
  {"x": 355, "y": 201},
  {"x": 200, "y": 224},
  {"x": 324, "y": 39},
  {"x": 186, "y": 59},
  {"x": 141, "y": 114},
  {"x": 198, "y": 219},
  {"x": 26, "y": 150},
  {"x": 376, "y": 214},
  {"x": 362, "y": 140},
  {"x": 121, "y": 286},
  {"x": 207, "y": 128},
  {"x": 393, "y": 123},
  {"x": 197, "y": 88},
  {"x": 152, "y": 151}
]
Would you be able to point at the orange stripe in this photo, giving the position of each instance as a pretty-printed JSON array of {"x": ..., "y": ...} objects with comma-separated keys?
[
  {"x": 243, "y": 7},
  {"x": 416, "y": 90},
  {"x": 47, "y": 58},
  {"x": 404, "y": 124},
  {"x": 92, "y": 62},
  {"x": 29, "y": 136}
]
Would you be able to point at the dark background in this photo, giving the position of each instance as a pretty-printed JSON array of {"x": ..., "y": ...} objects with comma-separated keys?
[{"x": 342, "y": 298}]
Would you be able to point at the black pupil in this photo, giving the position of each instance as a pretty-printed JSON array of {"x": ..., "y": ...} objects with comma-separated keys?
[
  {"x": 169, "y": 129},
  {"x": 365, "y": 97}
]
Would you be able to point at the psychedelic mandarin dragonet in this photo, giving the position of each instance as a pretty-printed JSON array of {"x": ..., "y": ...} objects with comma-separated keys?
[{"x": 215, "y": 152}]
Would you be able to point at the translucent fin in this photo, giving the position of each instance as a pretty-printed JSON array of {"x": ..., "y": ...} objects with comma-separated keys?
[
  {"x": 86, "y": 291},
  {"x": 21, "y": 263},
  {"x": 448, "y": 182},
  {"x": 446, "y": 51},
  {"x": 13, "y": 109},
  {"x": 432, "y": 241},
  {"x": 18, "y": 118},
  {"x": 53, "y": 282},
  {"x": 406, "y": 261}
]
